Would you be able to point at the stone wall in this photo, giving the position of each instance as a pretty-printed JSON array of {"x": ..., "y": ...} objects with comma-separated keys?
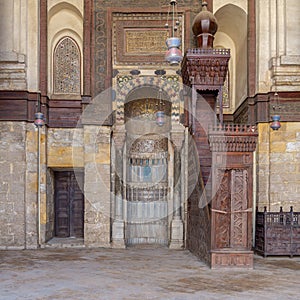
[
  {"x": 50, "y": 213},
  {"x": 65, "y": 148},
  {"x": 278, "y": 167},
  {"x": 19, "y": 44},
  {"x": 18, "y": 185},
  {"x": 34, "y": 231},
  {"x": 12, "y": 184},
  {"x": 278, "y": 60},
  {"x": 97, "y": 186}
]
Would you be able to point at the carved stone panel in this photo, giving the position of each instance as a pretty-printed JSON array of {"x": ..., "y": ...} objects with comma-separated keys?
[
  {"x": 144, "y": 41},
  {"x": 140, "y": 37}
]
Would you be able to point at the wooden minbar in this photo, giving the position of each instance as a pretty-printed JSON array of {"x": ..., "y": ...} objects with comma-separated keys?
[{"x": 225, "y": 154}]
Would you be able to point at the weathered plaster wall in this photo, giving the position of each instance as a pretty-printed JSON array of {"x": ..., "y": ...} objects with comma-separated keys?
[
  {"x": 19, "y": 45},
  {"x": 232, "y": 33},
  {"x": 278, "y": 166},
  {"x": 278, "y": 62},
  {"x": 217, "y": 4}
]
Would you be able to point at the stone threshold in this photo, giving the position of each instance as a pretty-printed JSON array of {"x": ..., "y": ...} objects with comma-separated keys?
[{"x": 70, "y": 242}]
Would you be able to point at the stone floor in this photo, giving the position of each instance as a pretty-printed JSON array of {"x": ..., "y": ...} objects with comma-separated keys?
[{"x": 140, "y": 274}]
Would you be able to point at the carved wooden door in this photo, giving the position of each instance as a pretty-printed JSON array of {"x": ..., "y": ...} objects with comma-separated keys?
[
  {"x": 230, "y": 210},
  {"x": 69, "y": 204}
]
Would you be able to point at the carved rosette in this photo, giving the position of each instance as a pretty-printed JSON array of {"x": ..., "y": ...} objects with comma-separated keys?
[{"x": 233, "y": 138}]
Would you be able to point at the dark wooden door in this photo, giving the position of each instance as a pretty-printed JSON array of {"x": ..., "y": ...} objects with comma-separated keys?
[{"x": 69, "y": 204}]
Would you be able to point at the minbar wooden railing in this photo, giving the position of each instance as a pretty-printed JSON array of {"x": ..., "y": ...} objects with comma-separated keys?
[
  {"x": 233, "y": 138},
  {"x": 277, "y": 233}
]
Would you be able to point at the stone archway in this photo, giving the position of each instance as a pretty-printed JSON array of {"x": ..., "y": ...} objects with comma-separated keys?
[
  {"x": 146, "y": 162},
  {"x": 143, "y": 162}
]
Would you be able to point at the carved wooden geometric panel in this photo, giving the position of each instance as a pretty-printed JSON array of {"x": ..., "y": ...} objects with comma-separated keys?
[
  {"x": 66, "y": 67},
  {"x": 223, "y": 206},
  {"x": 239, "y": 208},
  {"x": 231, "y": 211},
  {"x": 277, "y": 233}
]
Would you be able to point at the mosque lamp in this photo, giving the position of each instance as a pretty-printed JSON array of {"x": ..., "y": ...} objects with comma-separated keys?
[
  {"x": 275, "y": 125},
  {"x": 160, "y": 114},
  {"x": 173, "y": 55},
  {"x": 39, "y": 119}
]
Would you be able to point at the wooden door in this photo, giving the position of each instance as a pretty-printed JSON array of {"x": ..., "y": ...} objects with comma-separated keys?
[
  {"x": 69, "y": 204},
  {"x": 230, "y": 210}
]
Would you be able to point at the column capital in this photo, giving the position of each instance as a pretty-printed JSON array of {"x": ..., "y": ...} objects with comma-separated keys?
[{"x": 177, "y": 136}]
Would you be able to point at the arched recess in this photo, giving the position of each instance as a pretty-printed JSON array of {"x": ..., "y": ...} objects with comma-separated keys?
[
  {"x": 73, "y": 5},
  {"x": 222, "y": 40},
  {"x": 66, "y": 68},
  {"x": 146, "y": 163},
  {"x": 64, "y": 20},
  {"x": 169, "y": 85},
  {"x": 141, "y": 108},
  {"x": 144, "y": 157},
  {"x": 232, "y": 32}
]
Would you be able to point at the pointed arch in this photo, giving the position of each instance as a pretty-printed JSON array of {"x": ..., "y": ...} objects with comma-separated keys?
[{"x": 232, "y": 33}]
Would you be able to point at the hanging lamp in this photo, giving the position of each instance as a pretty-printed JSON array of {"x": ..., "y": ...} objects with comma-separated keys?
[
  {"x": 39, "y": 119},
  {"x": 275, "y": 125},
  {"x": 173, "y": 55},
  {"x": 160, "y": 114}
]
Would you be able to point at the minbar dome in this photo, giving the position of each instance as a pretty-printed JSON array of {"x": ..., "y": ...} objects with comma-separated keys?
[{"x": 204, "y": 27}]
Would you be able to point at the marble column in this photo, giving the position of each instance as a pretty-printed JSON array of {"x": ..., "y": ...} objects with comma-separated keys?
[{"x": 177, "y": 235}]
